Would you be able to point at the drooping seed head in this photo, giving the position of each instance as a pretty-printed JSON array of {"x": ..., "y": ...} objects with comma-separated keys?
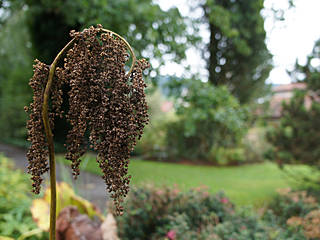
[{"x": 104, "y": 103}]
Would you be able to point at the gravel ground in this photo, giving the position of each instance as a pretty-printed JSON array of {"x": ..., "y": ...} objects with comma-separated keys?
[{"x": 87, "y": 185}]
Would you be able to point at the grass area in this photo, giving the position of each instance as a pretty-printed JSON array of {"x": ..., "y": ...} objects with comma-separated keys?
[{"x": 245, "y": 185}]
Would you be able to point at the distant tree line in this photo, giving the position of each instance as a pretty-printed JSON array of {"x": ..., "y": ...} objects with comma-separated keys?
[{"x": 238, "y": 61}]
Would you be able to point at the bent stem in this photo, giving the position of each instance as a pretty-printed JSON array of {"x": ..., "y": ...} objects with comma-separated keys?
[{"x": 48, "y": 131}]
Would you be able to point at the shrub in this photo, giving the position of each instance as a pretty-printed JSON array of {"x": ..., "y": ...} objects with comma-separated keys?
[
  {"x": 255, "y": 144},
  {"x": 228, "y": 156},
  {"x": 310, "y": 224},
  {"x": 208, "y": 117},
  {"x": 292, "y": 204},
  {"x": 296, "y": 138},
  {"x": 296, "y": 211},
  {"x": 15, "y": 215},
  {"x": 166, "y": 213},
  {"x": 153, "y": 212},
  {"x": 152, "y": 144}
]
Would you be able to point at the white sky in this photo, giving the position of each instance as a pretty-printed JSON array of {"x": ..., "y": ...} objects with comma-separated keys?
[{"x": 288, "y": 40}]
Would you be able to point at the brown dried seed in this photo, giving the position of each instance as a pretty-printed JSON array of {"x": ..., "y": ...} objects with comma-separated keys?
[{"x": 104, "y": 102}]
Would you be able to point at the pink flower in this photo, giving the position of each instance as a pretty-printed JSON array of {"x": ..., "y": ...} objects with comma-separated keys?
[
  {"x": 243, "y": 228},
  {"x": 224, "y": 200},
  {"x": 171, "y": 235},
  {"x": 159, "y": 192}
]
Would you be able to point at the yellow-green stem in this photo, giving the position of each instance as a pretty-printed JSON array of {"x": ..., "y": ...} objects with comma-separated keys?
[{"x": 48, "y": 131}]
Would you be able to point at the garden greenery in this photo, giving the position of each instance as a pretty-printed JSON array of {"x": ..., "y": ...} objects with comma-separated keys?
[
  {"x": 15, "y": 216},
  {"x": 296, "y": 138},
  {"x": 162, "y": 212},
  {"x": 168, "y": 213},
  {"x": 208, "y": 117}
]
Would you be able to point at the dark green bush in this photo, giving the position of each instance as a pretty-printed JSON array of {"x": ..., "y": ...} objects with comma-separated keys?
[
  {"x": 208, "y": 118},
  {"x": 295, "y": 139}
]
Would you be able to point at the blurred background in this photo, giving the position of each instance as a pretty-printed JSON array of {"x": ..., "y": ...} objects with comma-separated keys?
[{"x": 234, "y": 104}]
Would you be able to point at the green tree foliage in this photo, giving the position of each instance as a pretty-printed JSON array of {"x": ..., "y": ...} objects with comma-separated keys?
[
  {"x": 154, "y": 31},
  {"x": 46, "y": 25},
  {"x": 236, "y": 54},
  {"x": 15, "y": 69},
  {"x": 208, "y": 117},
  {"x": 296, "y": 139},
  {"x": 7, "y": 9},
  {"x": 310, "y": 72}
]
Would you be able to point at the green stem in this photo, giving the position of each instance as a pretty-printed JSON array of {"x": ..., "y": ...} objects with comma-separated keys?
[{"x": 48, "y": 131}]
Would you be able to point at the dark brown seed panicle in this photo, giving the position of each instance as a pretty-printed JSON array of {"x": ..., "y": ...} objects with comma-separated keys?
[
  {"x": 37, "y": 154},
  {"x": 104, "y": 103}
]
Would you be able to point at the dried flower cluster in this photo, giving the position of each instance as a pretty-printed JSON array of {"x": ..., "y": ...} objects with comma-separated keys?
[
  {"x": 38, "y": 151},
  {"x": 104, "y": 103}
]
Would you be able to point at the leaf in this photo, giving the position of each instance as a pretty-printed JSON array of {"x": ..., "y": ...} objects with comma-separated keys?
[
  {"x": 5, "y": 238},
  {"x": 65, "y": 197},
  {"x": 86, "y": 207},
  {"x": 40, "y": 211}
]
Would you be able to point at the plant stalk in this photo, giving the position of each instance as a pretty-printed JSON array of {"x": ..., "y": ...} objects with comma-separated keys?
[
  {"x": 49, "y": 135},
  {"x": 48, "y": 131}
]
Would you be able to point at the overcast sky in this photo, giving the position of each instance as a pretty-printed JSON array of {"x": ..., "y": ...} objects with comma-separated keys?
[{"x": 288, "y": 40}]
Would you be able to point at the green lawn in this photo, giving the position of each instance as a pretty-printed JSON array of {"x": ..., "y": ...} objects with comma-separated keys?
[{"x": 245, "y": 185}]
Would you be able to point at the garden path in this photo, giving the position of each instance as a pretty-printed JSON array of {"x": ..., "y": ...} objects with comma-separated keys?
[{"x": 89, "y": 186}]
